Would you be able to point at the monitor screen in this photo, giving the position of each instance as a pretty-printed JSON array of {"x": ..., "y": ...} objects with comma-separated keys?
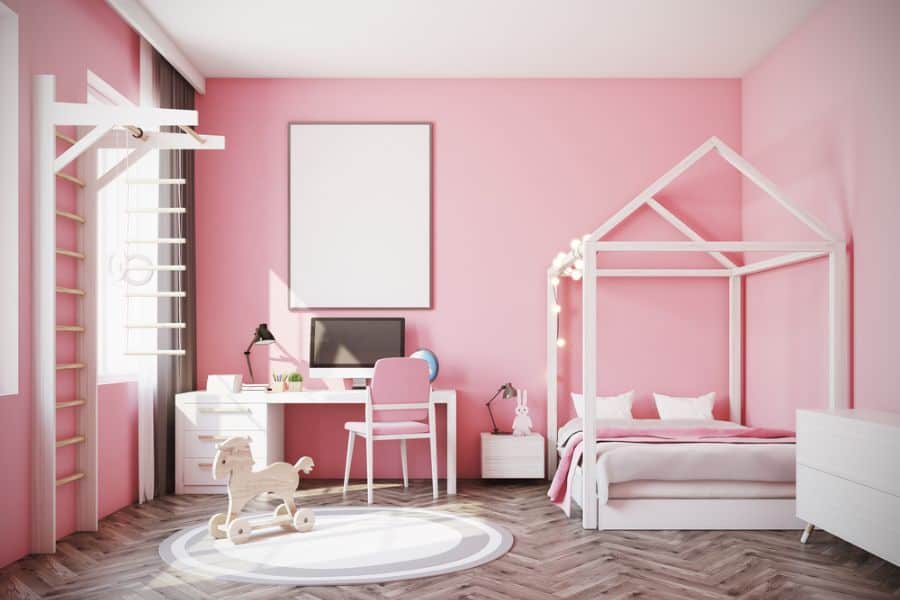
[{"x": 354, "y": 342}]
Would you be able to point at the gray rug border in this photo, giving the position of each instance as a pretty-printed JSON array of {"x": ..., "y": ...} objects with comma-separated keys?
[{"x": 507, "y": 540}]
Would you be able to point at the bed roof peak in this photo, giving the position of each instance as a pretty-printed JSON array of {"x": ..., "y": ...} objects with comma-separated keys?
[{"x": 738, "y": 162}]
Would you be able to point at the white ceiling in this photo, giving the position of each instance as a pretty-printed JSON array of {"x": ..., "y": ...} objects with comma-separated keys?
[{"x": 477, "y": 38}]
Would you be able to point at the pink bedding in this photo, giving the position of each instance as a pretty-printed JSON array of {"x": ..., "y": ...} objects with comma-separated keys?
[{"x": 661, "y": 451}]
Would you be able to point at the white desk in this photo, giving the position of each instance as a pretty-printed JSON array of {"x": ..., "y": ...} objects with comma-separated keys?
[{"x": 202, "y": 419}]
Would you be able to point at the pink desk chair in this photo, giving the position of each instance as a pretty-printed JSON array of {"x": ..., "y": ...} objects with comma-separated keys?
[{"x": 398, "y": 402}]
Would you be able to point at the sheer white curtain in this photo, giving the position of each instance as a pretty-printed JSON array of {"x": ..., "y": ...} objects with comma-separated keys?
[{"x": 115, "y": 308}]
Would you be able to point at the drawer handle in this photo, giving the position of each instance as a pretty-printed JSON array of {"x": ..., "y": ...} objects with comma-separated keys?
[
  {"x": 212, "y": 438},
  {"x": 226, "y": 410},
  {"x": 204, "y": 466}
]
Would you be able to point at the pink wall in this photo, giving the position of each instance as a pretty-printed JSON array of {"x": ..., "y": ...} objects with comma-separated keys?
[
  {"x": 520, "y": 167},
  {"x": 118, "y": 446},
  {"x": 64, "y": 39},
  {"x": 820, "y": 118}
]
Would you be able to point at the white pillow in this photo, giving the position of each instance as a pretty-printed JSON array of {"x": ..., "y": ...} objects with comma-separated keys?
[
  {"x": 674, "y": 407},
  {"x": 608, "y": 407}
]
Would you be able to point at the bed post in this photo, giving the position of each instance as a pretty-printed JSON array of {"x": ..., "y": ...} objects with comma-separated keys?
[
  {"x": 735, "y": 348},
  {"x": 552, "y": 327},
  {"x": 838, "y": 338},
  {"x": 589, "y": 386}
]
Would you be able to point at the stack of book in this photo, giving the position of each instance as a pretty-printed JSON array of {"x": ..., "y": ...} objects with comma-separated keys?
[{"x": 255, "y": 387}]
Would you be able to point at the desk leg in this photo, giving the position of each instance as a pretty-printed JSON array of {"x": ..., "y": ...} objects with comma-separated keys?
[{"x": 451, "y": 448}]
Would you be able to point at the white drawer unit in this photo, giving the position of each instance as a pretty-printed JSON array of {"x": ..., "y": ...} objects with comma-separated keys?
[
  {"x": 512, "y": 456},
  {"x": 201, "y": 443},
  {"x": 227, "y": 415},
  {"x": 198, "y": 471},
  {"x": 204, "y": 419},
  {"x": 848, "y": 476}
]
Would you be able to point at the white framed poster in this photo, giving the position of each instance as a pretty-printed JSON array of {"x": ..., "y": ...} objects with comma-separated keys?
[{"x": 360, "y": 215}]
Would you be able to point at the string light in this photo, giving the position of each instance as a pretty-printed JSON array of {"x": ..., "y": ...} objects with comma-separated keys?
[
  {"x": 554, "y": 281},
  {"x": 560, "y": 342},
  {"x": 560, "y": 260},
  {"x": 576, "y": 275},
  {"x": 557, "y": 308}
]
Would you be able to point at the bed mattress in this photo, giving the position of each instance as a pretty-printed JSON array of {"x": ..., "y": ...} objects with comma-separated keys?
[{"x": 689, "y": 470}]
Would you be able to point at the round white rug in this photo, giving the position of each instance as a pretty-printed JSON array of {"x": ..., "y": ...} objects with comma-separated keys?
[{"x": 348, "y": 545}]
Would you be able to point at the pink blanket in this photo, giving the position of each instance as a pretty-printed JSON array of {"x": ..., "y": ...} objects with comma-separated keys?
[{"x": 560, "y": 492}]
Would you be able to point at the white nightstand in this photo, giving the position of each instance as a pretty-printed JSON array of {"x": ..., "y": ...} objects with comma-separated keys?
[{"x": 512, "y": 456}]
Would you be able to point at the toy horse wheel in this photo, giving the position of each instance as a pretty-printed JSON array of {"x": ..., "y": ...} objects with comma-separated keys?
[
  {"x": 304, "y": 519},
  {"x": 239, "y": 531},
  {"x": 215, "y": 522},
  {"x": 282, "y": 511}
]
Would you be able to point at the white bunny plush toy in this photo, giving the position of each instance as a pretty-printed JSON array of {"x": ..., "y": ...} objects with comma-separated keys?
[{"x": 522, "y": 423}]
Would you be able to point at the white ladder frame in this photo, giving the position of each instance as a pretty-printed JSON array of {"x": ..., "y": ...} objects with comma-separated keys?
[{"x": 96, "y": 123}]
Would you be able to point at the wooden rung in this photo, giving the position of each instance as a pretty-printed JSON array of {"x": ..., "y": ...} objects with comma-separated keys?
[
  {"x": 72, "y": 216},
  {"x": 156, "y": 295},
  {"x": 157, "y": 268},
  {"x": 155, "y": 326},
  {"x": 72, "y": 253},
  {"x": 74, "y": 291},
  {"x": 61, "y": 136},
  {"x": 78, "y": 439},
  {"x": 156, "y": 181},
  {"x": 159, "y": 241},
  {"x": 69, "y": 404},
  {"x": 73, "y": 328},
  {"x": 192, "y": 133},
  {"x": 69, "y": 479},
  {"x": 70, "y": 178},
  {"x": 158, "y": 353},
  {"x": 160, "y": 211},
  {"x": 67, "y": 366}
]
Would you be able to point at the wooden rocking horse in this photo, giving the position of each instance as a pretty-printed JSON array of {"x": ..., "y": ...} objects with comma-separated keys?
[{"x": 233, "y": 457}]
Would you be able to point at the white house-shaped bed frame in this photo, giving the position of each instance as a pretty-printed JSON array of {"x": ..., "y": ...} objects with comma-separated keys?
[{"x": 581, "y": 260}]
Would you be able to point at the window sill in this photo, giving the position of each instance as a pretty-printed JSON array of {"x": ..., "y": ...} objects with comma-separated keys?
[{"x": 114, "y": 378}]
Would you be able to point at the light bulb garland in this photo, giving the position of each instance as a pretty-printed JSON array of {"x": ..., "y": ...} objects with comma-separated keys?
[
  {"x": 571, "y": 263},
  {"x": 566, "y": 264},
  {"x": 557, "y": 308}
]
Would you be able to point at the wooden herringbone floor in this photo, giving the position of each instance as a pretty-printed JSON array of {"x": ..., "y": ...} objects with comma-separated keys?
[{"x": 552, "y": 557}]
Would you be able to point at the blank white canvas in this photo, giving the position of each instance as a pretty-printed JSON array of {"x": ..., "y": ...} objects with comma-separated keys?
[{"x": 360, "y": 215}]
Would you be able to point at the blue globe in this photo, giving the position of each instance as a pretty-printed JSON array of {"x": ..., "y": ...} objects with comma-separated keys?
[{"x": 429, "y": 357}]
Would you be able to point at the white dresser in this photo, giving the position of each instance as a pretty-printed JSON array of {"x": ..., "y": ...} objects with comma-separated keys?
[
  {"x": 204, "y": 419},
  {"x": 848, "y": 476}
]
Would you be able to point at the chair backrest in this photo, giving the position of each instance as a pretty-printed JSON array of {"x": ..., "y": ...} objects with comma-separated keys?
[{"x": 400, "y": 381}]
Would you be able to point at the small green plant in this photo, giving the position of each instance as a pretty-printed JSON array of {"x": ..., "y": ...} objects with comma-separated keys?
[{"x": 295, "y": 377}]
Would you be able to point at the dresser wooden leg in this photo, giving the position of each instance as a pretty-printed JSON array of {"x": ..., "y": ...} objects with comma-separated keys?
[{"x": 806, "y": 532}]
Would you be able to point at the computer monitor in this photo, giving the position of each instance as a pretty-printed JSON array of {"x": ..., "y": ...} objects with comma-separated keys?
[{"x": 348, "y": 347}]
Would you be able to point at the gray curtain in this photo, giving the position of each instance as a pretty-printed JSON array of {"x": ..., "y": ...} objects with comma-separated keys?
[{"x": 175, "y": 374}]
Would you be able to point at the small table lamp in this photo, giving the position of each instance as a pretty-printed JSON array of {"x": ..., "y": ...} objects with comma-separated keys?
[
  {"x": 261, "y": 336},
  {"x": 508, "y": 391}
]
